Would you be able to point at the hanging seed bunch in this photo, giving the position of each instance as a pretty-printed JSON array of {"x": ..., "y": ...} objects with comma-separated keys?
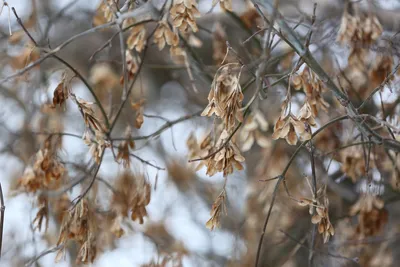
[
  {"x": 137, "y": 35},
  {"x": 61, "y": 92},
  {"x": 183, "y": 14},
  {"x": 293, "y": 128},
  {"x": 105, "y": 12},
  {"x": 321, "y": 217},
  {"x": 164, "y": 35},
  {"x": 359, "y": 30},
  {"x": 371, "y": 215},
  {"x": 353, "y": 163},
  {"x": 42, "y": 215},
  {"x": 224, "y": 4},
  {"x": 79, "y": 225},
  {"x": 138, "y": 106},
  {"x": 46, "y": 174},
  {"x": 313, "y": 87},
  {"x": 225, "y": 101},
  {"x": 94, "y": 134},
  {"x": 91, "y": 121},
  {"x": 27, "y": 55},
  {"x": 218, "y": 208},
  {"x": 132, "y": 65},
  {"x": 181, "y": 174},
  {"x": 199, "y": 149},
  {"x": 219, "y": 45},
  {"x": 252, "y": 131},
  {"x": 134, "y": 194},
  {"x": 380, "y": 69},
  {"x": 47, "y": 171},
  {"x": 225, "y": 160},
  {"x": 124, "y": 148},
  {"x": 225, "y": 98}
]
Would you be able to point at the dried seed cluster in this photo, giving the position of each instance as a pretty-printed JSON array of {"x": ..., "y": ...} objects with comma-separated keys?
[
  {"x": 183, "y": 14},
  {"x": 79, "y": 225},
  {"x": 225, "y": 101},
  {"x": 61, "y": 92},
  {"x": 225, "y": 98},
  {"x": 138, "y": 106},
  {"x": 134, "y": 194},
  {"x": 292, "y": 127},
  {"x": 226, "y": 159},
  {"x": 224, "y": 4},
  {"x": 199, "y": 150},
  {"x": 46, "y": 172},
  {"x": 371, "y": 215},
  {"x": 123, "y": 149},
  {"x": 105, "y": 12},
  {"x": 356, "y": 29},
  {"x": 321, "y": 218},
  {"x": 42, "y": 214},
  {"x": 252, "y": 131},
  {"x": 132, "y": 65},
  {"x": 353, "y": 163},
  {"x": 360, "y": 32},
  {"x": 313, "y": 87},
  {"x": 164, "y": 35},
  {"x": 219, "y": 45},
  {"x": 94, "y": 134},
  {"x": 217, "y": 209},
  {"x": 137, "y": 35}
]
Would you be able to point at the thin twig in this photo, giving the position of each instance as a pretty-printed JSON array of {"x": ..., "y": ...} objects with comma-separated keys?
[
  {"x": 315, "y": 190},
  {"x": 161, "y": 129},
  {"x": 147, "y": 162},
  {"x": 2, "y": 211},
  {"x": 44, "y": 253},
  {"x": 346, "y": 146},
  {"x": 260, "y": 242},
  {"x": 319, "y": 252},
  {"x": 379, "y": 87},
  {"x": 83, "y": 194}
]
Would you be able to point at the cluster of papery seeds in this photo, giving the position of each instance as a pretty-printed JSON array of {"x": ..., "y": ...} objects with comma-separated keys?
[
  {"x": 371, "y": 215},
  {"x": 47, "y": 173},
  {"x": 137, "y": 35},
  {"x": 321, "y": 217},
  {"x": 225, "y": 98},
  {"x": 183, "y": 14},
  {"x": 79, "y": 225},
  {"x": 313, "y": 88},
  {"x": 47, "y": 170},
  {"x": 132, "y": 197},
  {"x": 105, "y": 12},
  {"x": 224, "y": 4},
  {"x": 360, "y": 32},
  {"x": 225, "y": 101},
  {"x": 356, "y": 29},
  {"x": 94, "y": 134},
  {"x": 293, "y": 127},
  {"x": 223, "y": 155}
]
